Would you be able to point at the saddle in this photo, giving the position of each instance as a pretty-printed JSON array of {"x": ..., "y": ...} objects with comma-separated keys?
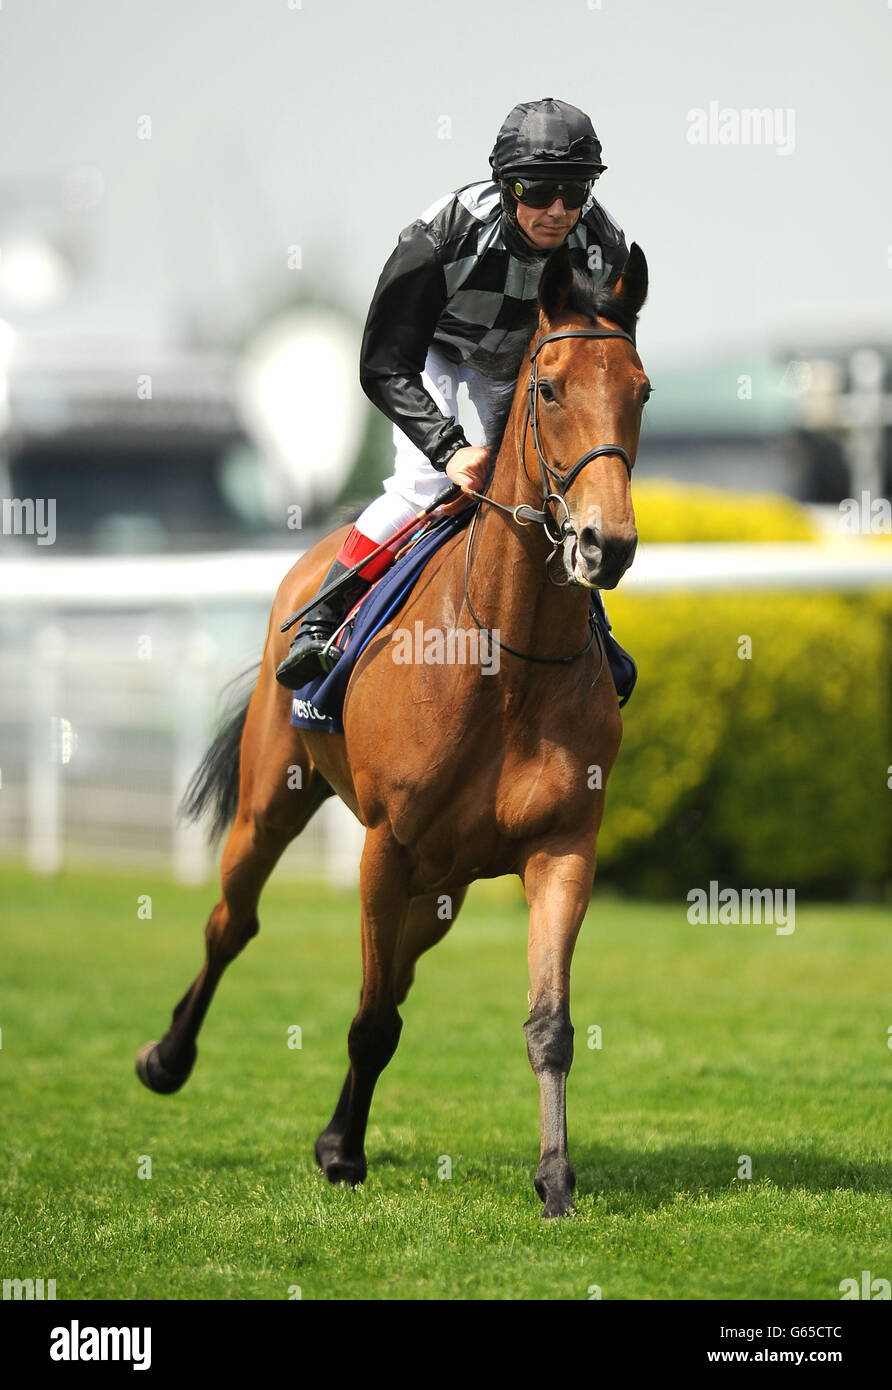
[{"x": 320, "y": 703}]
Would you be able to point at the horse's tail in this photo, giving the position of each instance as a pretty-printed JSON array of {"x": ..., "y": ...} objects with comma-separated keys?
[{"x": 214, "y": 783}]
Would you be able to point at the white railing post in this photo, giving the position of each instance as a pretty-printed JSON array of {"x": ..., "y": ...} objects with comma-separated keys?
[
  {"x": 343, "y": 839},
  {"x": 47, "y": 747},
  {"x": 191, "y": 857},
  {"x": 864, "y": 442}
]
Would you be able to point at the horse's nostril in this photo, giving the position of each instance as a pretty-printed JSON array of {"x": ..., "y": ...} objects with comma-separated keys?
[
  {"x": 606, "y": 553},
  {"x": 591, "y": 542}
]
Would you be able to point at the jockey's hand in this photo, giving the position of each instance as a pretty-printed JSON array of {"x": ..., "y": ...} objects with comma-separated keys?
[{"x": 469, "y": 468}]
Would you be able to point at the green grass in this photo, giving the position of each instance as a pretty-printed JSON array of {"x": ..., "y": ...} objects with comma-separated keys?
[{"x": 717, "y": 1042}]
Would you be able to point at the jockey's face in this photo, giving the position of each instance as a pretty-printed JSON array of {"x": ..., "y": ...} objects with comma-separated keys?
[{"x": 547, "y": 227}]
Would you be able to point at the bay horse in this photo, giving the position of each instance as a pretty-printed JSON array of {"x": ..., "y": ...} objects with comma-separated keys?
[{"x": 458, "y": 776}]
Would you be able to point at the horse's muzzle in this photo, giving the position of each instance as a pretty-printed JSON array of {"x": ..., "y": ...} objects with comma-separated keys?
[{"x": 602, "y": 560}]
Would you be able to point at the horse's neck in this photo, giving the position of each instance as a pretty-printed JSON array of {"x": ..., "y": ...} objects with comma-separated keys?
[{"x": 509, "y": 588}]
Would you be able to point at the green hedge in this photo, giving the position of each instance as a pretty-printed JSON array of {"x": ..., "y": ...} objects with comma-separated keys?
[
  {"x": 762, "y": 772},
  {"x": 769, "y": 771}
]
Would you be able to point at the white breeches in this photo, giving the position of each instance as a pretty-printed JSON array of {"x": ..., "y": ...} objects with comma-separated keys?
[{"x": 414, "y": 482}]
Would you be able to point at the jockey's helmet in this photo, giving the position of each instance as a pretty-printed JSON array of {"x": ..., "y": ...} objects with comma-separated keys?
[{"x": 547, "y": 139}]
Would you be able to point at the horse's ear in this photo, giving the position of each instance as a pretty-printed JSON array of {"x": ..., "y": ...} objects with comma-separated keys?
[
  {"x": 554, "y": 287},
  {"x": 630, "y": 289}
]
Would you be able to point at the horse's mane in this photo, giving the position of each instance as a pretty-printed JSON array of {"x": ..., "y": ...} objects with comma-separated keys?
[
  {"x": 497, "y": 424},
  {"x": 591, "y": 302}
]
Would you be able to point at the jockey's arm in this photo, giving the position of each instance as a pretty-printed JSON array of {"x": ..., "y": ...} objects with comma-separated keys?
[{"x": 402, "y": 319}]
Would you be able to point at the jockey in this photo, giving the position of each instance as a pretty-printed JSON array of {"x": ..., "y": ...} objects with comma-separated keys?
[{"x": 457, "y": 302}]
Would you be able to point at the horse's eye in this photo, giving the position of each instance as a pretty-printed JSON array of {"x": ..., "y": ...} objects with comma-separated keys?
[
  {"x": 546, "y": 391},
  {"x": 646, "y": 394}
]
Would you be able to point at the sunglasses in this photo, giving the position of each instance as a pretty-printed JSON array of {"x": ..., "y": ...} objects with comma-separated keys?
[{"x": 541, "y": 193}]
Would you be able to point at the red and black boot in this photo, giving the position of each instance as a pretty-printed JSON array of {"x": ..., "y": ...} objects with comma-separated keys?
[{"x": 310, "y": 654}]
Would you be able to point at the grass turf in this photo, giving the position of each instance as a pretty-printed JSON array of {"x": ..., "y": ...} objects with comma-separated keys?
[{"x": 717, "y": 1042}]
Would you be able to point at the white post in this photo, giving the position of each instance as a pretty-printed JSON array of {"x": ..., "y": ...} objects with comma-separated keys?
[
  {"x": 191, "y": 859},
  {"x": 343, "y": 839},
  {"x": 864, "y": 444},
  {"x": 49, "y": 744}
]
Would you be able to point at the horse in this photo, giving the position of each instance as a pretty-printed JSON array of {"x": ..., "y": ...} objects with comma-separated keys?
[{"x": 456, "y": 774}]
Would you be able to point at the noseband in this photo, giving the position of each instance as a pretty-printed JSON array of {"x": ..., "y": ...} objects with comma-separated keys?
[{"x": 525, "y": 515}]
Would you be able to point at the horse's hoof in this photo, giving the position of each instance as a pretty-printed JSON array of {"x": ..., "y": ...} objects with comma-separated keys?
[
  {"x": 555, "y": 1182},
  {"x": 341, "y": 1172},
  {"x": 152, "y": 1072},
  {"x": 555, "y": 1189},
  {"x": 558, "y": 1206},
  {"x": 350, "y": 1172}
]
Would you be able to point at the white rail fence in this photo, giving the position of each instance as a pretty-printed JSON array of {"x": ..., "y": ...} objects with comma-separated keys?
[{"x": 111, "y": 671}]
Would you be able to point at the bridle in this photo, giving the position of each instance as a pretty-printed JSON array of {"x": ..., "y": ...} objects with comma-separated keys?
[
  {"x": 525, "y": 515},
  {"x": 565, "y": 480}
]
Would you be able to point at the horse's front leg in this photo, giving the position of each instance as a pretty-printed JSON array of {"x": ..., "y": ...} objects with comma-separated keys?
[{"x": 557, "y": 877}]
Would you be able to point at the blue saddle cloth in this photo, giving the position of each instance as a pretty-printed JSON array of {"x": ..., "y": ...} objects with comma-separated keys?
[{"x": 320, "y": 703}]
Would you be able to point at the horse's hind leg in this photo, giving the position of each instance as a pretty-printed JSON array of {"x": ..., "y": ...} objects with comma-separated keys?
[
  {"x": 250, "y": 855},
  {"x": 270, "y": 814},
  {"x": 340, "y": 1148}
]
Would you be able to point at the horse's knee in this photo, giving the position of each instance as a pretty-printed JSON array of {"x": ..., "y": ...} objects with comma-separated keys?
[
  {"x": 550, "y": 1041},
  {"x": 373, "y": 1039}
]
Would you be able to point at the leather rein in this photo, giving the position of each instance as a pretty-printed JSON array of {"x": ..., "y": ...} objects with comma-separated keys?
[{"x": 526, "y": 516}]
